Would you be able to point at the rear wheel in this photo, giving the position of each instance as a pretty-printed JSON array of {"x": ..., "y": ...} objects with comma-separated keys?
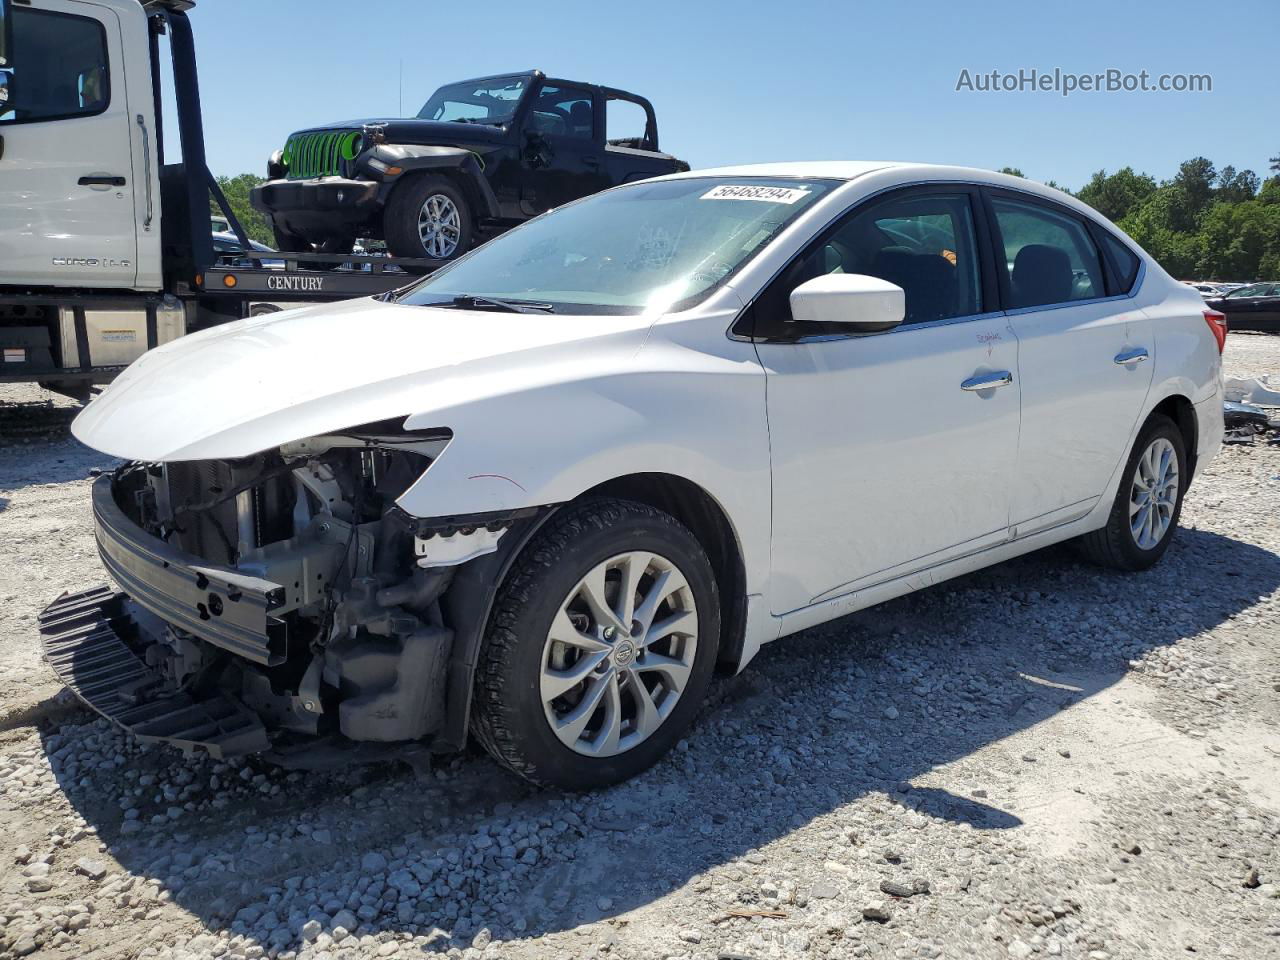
[
  {"x": 1148, "y": 504},
  {"x": 428, "y": 217},
  {"x": 289, "y": 242},
  {"x": 600, "y": 647}
]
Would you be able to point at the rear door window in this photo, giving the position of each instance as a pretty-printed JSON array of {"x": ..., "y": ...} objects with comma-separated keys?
[
  {"x": 1047, "y": 254},
  {"x": 64, "y": 72},
  {"x": 1124, "y": 262}
]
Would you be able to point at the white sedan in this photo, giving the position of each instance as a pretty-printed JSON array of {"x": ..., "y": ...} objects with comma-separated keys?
[{"x": 540, "y": 496}]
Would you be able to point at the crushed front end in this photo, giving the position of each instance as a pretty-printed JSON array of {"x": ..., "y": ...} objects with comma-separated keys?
[{"x": 270, "y": 600}]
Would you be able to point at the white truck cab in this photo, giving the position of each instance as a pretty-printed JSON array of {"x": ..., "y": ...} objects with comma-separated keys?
[
  {"x": 79, "y": 182},
  {"x": 105, "y": 245}
]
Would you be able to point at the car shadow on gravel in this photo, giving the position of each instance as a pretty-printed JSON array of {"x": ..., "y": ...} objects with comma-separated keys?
[{"x": 850, "y": 712}]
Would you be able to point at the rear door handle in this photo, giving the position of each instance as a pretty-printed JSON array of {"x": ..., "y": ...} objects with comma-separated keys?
[
  {"x": 1129, "y": 357},
  {"x": 591, "y": 162},
  {"x": 988, "y": 381},
  {"x": 102, "y": 181}
]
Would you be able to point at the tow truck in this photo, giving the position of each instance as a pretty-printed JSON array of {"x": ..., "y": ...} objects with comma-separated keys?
[{"x": 105, "y": 245}]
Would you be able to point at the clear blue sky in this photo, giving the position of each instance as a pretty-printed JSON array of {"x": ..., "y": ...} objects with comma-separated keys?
[{"x": 738, "y": 82}]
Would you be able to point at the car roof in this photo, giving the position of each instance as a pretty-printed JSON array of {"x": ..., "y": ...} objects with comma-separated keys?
[{"x": 907, "y": 172}]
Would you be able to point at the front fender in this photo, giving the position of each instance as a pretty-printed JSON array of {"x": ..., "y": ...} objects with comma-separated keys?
[
  {"x": 548, "y": 443},
  {"x": 411, "y": 158}
]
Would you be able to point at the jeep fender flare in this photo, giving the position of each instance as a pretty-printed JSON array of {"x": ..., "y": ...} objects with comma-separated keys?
[{"x": 462, "y": 164}]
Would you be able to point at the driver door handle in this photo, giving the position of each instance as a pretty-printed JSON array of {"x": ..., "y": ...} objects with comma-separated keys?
[
  {"x": 1130, "y": 357},
  {"x": 988, "y": 381},
  {"x": 102, "y": 181}
]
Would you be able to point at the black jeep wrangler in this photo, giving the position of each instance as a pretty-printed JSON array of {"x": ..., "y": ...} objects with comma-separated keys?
[{"x": 480, "y": 156}]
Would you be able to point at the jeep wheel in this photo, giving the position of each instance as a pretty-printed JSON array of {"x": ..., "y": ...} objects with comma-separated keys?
[
  {"x": 427, "y": 217},
  {"x": 600, "y": 647},
  {"x": 289, "y": 242}
]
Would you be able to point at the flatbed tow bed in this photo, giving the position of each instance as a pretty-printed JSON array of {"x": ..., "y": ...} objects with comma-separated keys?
[{"x": 312, "y": 276}]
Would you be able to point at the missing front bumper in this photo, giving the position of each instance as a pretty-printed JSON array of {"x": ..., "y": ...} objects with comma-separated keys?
[{"x": 91, "y": 640}]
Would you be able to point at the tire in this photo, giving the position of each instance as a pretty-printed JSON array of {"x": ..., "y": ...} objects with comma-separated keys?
[
  {"x": 290, "y": 243},
  {"x": 263, "y": 309},
  {"x": 512, "y": 716},
  {"x": 408, "y": 203},
  {"x": 1117, "y": 545}
]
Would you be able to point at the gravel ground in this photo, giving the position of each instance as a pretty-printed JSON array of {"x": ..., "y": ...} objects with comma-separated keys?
[{"x": 1039, "y": 759}]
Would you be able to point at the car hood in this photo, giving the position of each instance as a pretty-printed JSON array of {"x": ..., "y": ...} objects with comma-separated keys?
[
  {"x": 413, "y": 130},
  {"x": 254, "y": 384}
]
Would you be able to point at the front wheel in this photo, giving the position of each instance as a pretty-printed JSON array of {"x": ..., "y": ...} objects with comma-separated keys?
[
  {"x": 600, "y": 647},
  {"x": 427, "y": 217},
  {"x": 1148, "y": 504}
]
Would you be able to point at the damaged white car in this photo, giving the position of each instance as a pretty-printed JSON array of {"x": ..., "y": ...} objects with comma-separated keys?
[{"x": 540, "y": 496}]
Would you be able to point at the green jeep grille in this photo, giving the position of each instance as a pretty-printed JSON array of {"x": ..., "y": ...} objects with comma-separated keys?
[{"x": 325, "y": 154}]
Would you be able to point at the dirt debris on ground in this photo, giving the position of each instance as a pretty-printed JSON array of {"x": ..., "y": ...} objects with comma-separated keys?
[{"x": 1040, "y": 759}]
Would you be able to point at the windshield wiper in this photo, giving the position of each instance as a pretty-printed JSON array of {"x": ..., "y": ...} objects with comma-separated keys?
[{"x": 469, "y": 302}]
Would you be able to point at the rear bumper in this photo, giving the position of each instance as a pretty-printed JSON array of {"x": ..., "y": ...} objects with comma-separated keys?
[
  {"x": 320, "y": 208},
  {"x": 93, "y": 642},
  {"x": 1209, "y": 429},
  {"x": 217, "y": 604}
]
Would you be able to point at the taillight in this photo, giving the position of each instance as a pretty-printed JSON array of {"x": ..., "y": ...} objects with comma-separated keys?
[{"x": 1218, "y": 324}]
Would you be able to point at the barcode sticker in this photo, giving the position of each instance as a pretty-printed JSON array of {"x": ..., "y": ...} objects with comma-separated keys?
[{"x": 736, "y": 191}]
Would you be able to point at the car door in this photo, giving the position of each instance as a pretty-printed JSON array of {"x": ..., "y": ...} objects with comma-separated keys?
[
  {"x": 893, "y": 452},
  {"x": 563, "y": 150},
  {"x": 66, "y": 172},
  {"x": 1084, "y": 357}
]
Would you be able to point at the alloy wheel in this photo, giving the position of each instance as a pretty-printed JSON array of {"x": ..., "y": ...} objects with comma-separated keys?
[
  {"x": 619, "y": 654},
  {"x": 1153, "y": 493},
  {"x": 439, "y": 226}
]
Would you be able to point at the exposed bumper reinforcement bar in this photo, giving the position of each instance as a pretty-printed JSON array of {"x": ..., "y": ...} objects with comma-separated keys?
[
  {"x": 218, "y": 604},
  {"x": 87, "y": 641}
]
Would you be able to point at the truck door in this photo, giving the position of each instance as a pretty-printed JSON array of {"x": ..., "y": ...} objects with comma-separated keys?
[
  {"x": 563, "y": 147},
  {"x": 67, "y": 215}
]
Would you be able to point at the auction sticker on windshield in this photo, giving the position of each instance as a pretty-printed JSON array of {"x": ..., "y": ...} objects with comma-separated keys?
[{"x": 735, "y": 191}]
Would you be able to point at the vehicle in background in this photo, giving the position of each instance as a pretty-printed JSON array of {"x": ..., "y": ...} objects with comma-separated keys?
[
  {"x": 1252, "y": 307},
  {"x": 1206, "y": 290},
  {"x": 541, "y": 495},
  {"x": 230, "y": 251},
  {"x": 480, "y": 156},
  {"x": 106, "y": 249}
]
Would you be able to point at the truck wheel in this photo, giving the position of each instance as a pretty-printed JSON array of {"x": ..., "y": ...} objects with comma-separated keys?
[
  {"x": 1145, "y": 514},
  {"x": 290, "y": 243},
  {"x": 427, "y": 217},
  {"x": 600, "y": 647}
]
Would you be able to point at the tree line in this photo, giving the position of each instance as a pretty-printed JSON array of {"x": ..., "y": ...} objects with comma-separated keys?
[{"x": 1203, "y": 223}]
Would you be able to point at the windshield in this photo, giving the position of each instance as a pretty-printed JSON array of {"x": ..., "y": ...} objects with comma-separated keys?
[
  {"x": 655, "y": 244},
  {"x": 1253, "y": 290},
  {"x": 492, "y": 100}
]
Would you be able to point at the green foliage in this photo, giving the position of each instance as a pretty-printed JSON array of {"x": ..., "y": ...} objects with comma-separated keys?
[
  {"x": 1116, "y": 194},
  {"x": 236, "y": 190},
  {"x": 1013, "y": 172},
  {"x": 1203, "y": 223}
]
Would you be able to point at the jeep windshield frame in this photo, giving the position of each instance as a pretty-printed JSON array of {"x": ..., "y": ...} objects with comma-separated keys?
[
  {"x": 655, "y": 245},
  {"x": 492, "y": 101}
]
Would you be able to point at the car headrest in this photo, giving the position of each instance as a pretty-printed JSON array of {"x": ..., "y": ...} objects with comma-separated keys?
[
  {"x": 580, "y": 115},
  {"x": 1041, "y": 274}
]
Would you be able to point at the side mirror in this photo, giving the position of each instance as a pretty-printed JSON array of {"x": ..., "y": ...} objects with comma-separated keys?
[
  {"x": 849, "y": 303},
  {"x": 537, "y": 151}
]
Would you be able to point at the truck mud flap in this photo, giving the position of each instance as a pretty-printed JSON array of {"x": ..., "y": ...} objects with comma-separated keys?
[{"x": 89, "y": 641}]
